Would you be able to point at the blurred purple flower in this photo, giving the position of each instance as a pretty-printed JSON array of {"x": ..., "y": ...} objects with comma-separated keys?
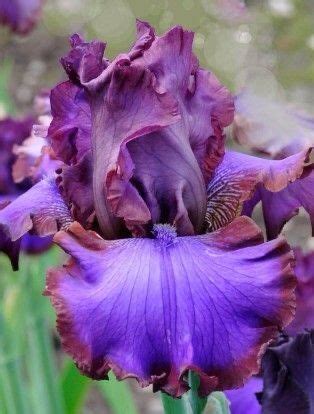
[
  {"x": 24, "y": 161},
  {"x": 304, "y": 270},
  {"x": 288, "y": 372},
  {"x": 20, "y": 15},
  {"x": 150, "y": 291},
  {"x": 244, "y": 400},
  {"x": 286, "y": 385}
]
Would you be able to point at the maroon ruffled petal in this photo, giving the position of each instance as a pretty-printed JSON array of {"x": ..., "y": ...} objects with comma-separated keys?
[{"x": 154, "y": 308}]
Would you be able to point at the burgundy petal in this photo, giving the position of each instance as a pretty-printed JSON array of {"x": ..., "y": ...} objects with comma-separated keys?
[
  {"x": 237, "y": 177},
  {"x": 20, "y": 15},
  {"x": 154, "y": 308},
  {"x": 40, "y": 209},
  {"x": 304, "y": 270},
  {"x": 76, "y": 184},
  {"x": 128, "y": 108},
  {"x": 279, "y": 207},
  {"x": 74, "y": 61},
  {"x": 179, "y": 113},
  {"x": 70, "y": 129},
  {"x": 206, "y": 106}
]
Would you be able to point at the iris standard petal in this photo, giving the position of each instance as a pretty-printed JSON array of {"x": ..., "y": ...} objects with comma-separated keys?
[
  {"x": 237, "y": 177},
  {"x": 70, "y": 128},
  {"x": 154, "y": 308},
  {"x": 154, "y": 167},
  {"x": 129, "y": 107}
]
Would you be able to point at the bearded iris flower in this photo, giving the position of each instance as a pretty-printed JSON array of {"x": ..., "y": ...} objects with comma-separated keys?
[{"x": 164, "y": 275}]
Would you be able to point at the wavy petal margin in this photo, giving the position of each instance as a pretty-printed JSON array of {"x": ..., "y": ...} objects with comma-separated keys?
[
  {"x": 153, "y": 309},
  {"x": 148, "y": 110},
  {"x": 281, "y": 206},
  {"x": 239, "y": 175},
  {"x": 40, "y": 210}
]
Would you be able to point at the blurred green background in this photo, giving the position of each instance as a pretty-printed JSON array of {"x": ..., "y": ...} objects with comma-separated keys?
[{"x": 273, "y": 39}]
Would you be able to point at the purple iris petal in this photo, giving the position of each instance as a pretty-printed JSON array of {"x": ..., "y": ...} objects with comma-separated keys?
[
  {"x": 168, "y": 116},
  {"x": 279, "y": 207},
  {"x": 31, "y": 244},
  {"x": 237, "y": 177},
  {"x": 7, "y": 246},
  {"x": 20, "y": 15},
  {"x": 154, "y": 308},
  {"x": 243, "y": 400},
  {"x": 40, "y": 209},
  {"x": 70, "y": 128},
  {"x": 304, "y": 270},
  {"x": 288, "y": 371}
]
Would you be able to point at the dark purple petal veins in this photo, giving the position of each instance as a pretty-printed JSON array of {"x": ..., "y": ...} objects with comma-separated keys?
[
  {"x": 41, "y": 209},
  {"x": 279, "y": 207},
  {"x": 288, "y": 371},
  {"x": 154, "y": 308},
  {"x": 304, "y": 271},
  {"x": 20, "y": 15},
  {"x": 237, "y": 177}
]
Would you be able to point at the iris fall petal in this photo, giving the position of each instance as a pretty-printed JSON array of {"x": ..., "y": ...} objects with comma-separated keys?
[{"x": 154, "y": 308}]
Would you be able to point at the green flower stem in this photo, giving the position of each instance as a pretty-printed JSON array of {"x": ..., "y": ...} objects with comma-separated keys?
[{"x": 191, "y": 403}]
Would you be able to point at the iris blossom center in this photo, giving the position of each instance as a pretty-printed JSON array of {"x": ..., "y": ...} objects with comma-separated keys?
[{"x": 165, "y": 234}]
